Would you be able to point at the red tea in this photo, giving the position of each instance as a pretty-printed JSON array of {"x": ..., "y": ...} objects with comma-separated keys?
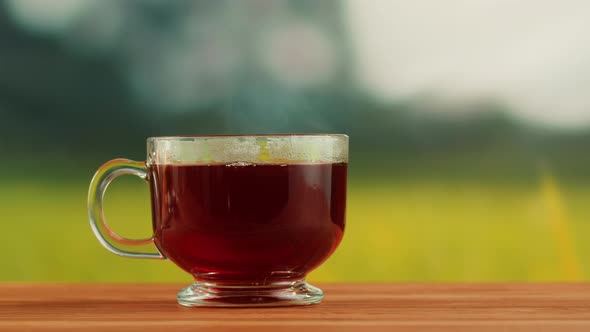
[{"x": 248, "y": 222}]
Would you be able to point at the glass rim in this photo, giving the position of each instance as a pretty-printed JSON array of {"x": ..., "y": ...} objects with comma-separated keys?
[
  {"x": 226, "y": 136},
  {"x": 259, "y": 148}
]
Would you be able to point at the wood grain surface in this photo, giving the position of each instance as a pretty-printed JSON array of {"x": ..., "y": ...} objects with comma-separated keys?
[{"x": 347, "y": 307}]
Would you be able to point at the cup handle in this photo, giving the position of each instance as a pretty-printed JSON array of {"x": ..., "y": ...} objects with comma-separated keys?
[{"x": 101, "y": 180}]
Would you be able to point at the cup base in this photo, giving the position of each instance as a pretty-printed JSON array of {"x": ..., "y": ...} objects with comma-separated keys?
[{"x": 284, "y": 293}]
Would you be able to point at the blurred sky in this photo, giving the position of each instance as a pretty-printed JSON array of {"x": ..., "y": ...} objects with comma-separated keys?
[{"x": 534, "y": 55}]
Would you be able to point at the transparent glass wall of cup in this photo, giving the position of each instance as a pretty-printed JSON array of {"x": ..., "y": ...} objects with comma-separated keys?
[{"x": 247, "y": 216}]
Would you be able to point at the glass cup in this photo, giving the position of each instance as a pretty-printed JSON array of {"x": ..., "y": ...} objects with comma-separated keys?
[{"x": 247, "y": 216}]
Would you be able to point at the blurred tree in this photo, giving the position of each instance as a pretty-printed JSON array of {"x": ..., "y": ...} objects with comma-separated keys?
[{"x": 121, "y": 71}]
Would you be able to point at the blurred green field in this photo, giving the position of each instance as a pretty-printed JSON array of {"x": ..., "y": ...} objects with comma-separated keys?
[{"x": 396, "y": 231}]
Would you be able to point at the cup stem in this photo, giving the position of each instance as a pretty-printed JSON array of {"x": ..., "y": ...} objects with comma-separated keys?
[{"x": 281, "y": 293}]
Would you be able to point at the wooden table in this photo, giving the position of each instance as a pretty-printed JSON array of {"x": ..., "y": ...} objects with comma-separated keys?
[{"x": 347, "y": 307}]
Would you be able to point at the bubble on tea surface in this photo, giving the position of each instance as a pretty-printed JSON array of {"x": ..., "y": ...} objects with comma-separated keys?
[{"x": 239, "y": 164}]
